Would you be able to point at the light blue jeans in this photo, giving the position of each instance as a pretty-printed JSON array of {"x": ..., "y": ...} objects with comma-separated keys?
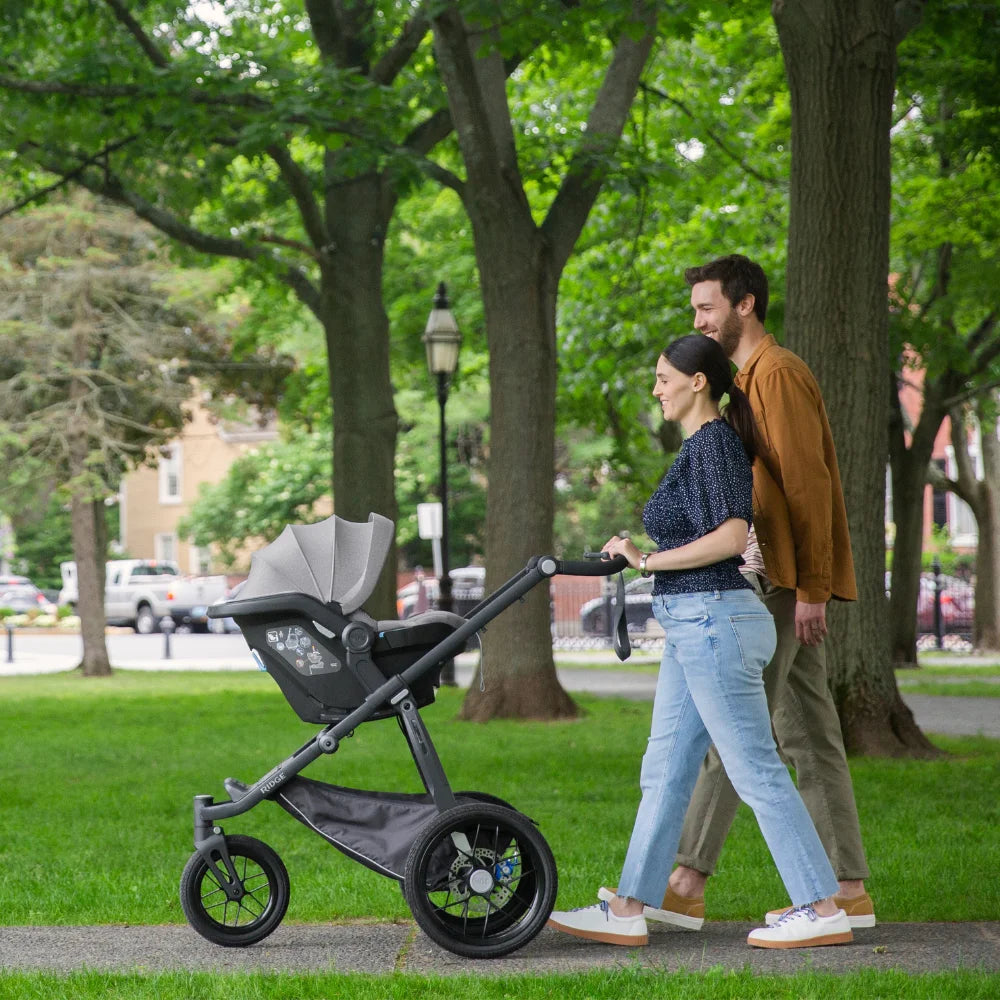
[{"x": 710, "y": 690}]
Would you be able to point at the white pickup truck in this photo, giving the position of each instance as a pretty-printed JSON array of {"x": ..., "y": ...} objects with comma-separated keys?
[{"x": 140, "y": 592}]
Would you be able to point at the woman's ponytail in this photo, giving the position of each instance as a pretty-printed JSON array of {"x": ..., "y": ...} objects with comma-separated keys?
[{"x": 739, "y": 415}]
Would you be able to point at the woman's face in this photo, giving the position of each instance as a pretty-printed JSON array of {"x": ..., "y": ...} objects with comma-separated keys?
[{"x": 675, "y": 390}]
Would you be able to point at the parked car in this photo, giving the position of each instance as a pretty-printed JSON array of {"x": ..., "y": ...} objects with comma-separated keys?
[
  {"x": 638, "y": 609},
  {"x": 468, "y": 587},
  {"x": 140, "y": 592},
  {"x": 958, "y": 605},
  {"x": 221, "y": 626},
  {"x": 23, "y": 596}
]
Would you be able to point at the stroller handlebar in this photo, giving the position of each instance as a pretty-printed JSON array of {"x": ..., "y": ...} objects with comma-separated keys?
[{"x": 597, "y": 564}]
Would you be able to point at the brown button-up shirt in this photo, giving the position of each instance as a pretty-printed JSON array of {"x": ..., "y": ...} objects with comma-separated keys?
[{"x": 799, "y": 513}]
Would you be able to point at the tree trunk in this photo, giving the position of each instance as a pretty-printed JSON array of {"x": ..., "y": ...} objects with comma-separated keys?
[
  {"x": 840, "y": 62},
  {"x": 365, "y": 422},
  {"x": 518, "y": 670},
  {"x": 909, "y": 479},
  {"x": 89, "y": 531},
  {"x": 520, "y": 264},
  {"x": 986, "y": 636}
]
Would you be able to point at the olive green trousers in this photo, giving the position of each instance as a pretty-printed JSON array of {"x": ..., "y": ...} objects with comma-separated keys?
[{"x": 807, "y": 732}]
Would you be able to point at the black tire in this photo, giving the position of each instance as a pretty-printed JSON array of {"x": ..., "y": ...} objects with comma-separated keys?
[
  {"x": 480, "y": 880},
  {"x": 235, "y": 924},
  {"x": 145, "y": 620}
]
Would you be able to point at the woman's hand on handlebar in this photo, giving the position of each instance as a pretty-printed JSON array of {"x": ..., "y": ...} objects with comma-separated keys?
[{"x": 618, "y": 546}]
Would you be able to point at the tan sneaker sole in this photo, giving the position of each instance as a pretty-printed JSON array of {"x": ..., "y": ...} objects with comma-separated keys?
[{"x": 605, "y": 937}]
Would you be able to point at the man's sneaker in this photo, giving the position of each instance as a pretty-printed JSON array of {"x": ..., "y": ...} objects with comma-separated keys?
[
  {"x": 803, "y": 927},
  {"x": 859, "y": 909},
  {"x": 681, "y": 911},
  {"x": 598, "y": 923}
]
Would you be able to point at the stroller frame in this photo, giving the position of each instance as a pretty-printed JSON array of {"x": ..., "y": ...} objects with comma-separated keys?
[{"x": 478, "y": 875}]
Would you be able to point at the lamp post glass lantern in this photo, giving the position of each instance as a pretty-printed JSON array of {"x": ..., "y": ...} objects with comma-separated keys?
[{"x": 442, "y": 340}]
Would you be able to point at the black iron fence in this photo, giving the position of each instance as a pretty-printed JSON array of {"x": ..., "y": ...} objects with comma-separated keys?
[{"x": 946, "y": 611}]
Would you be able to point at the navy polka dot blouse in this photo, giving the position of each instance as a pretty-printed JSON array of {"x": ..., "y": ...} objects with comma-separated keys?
[{"x": 709, "y": 482}]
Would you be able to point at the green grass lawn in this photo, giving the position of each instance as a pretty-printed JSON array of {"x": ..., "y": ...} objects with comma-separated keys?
[
  {"x": 99, "y": 777},
  {"x": 95, "y": 822},
  {"x": 622, "y": 984}
]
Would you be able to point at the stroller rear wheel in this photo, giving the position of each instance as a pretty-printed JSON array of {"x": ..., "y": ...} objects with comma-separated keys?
[
  {"x": 261, "y": 906},
  {"x": 480, "y": 880}
]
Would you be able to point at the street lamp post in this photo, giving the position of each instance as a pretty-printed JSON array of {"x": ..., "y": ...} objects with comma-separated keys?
[{"x": 442, "y": 340}]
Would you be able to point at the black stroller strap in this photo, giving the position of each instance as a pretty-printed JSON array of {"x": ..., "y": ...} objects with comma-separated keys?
[{"x": 623, "y": 648}]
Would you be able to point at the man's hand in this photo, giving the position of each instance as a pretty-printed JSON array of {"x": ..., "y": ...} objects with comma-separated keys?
[{"x": 810, "y": 623}]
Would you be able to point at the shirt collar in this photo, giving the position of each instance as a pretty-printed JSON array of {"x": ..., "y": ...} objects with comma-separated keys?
[{"x": 744, "y": 373}]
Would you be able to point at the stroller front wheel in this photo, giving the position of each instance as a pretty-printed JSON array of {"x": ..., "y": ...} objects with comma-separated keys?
[
  {"x": 264, "y": 895},
  {"x": 480, "y": 880}
]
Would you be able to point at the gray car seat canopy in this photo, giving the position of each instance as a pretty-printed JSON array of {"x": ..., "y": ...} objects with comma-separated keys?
[{"x": 333, "y": 560}]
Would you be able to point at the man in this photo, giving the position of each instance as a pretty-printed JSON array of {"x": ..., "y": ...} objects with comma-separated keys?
[{"x": 800, "y": 523}]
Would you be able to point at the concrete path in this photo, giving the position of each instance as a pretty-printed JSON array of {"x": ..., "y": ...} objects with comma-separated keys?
[{"x": 382, "y": 948}]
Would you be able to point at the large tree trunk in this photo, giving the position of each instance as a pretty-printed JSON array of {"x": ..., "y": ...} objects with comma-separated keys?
[
  {"x": 909, "y": 479},
  {"x": 365, "y": 422},
  {"x": 519, "y": 304},
  {"x": 840, "y": 61},
  {"x": 520, "y": 264}
]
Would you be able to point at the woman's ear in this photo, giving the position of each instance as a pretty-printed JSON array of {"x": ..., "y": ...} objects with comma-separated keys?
[{"x": 698, "y": 381}]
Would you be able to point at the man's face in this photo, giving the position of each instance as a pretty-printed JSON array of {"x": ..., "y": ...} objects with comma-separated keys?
[{"x": 715, "y": 317}]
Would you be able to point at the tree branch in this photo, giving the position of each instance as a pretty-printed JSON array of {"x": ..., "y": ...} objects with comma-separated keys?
[
  {"x": 156, "y": 57},
  {"x": 571, "y": 206},
  {"x": 908, "y": 14},
  {"x": 401, "y": 51},
  {"x": 710, "y": 134},
  {"x": 132, "y": 92},
  {"x": 302, "y": 191},
  {"x": 67, "y": 177},
  {"x": 108, "y": 185}
]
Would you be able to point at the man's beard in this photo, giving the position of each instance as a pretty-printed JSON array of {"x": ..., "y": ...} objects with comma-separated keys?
[{"x": 730, "y": 333}]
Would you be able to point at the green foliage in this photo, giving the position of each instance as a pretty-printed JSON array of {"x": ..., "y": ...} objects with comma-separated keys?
[
  {"x": 89, "y": 374},
  {"x": 710, "y": 138},
  {"x": 939, "y": 548},
  {"x": 946, "y": 206},
  {"x": 44, "y": 541}
]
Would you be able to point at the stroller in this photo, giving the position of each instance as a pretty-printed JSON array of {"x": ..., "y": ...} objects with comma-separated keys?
[{"x": 477, "y": 875}]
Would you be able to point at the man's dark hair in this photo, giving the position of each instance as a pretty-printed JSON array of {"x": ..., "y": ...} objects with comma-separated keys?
[{"x": 739, "y": 277}]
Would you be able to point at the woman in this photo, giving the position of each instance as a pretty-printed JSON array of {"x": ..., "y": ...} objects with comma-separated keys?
[{"x": 718, "y": 639}]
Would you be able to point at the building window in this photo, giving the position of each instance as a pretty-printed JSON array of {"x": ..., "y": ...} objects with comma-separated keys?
[
  {"x": 201, "y": 560},
  {"x": 963, "y": 531},
  {"x": 165, "y": 547},
  {"x": 170, "y": 474}
]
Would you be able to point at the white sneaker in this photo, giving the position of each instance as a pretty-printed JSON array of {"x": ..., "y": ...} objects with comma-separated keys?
[
  {"x": 859, "y": 909},
  {"x": 803, "y": 927},
  {"x": 598, "y": 923}
]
